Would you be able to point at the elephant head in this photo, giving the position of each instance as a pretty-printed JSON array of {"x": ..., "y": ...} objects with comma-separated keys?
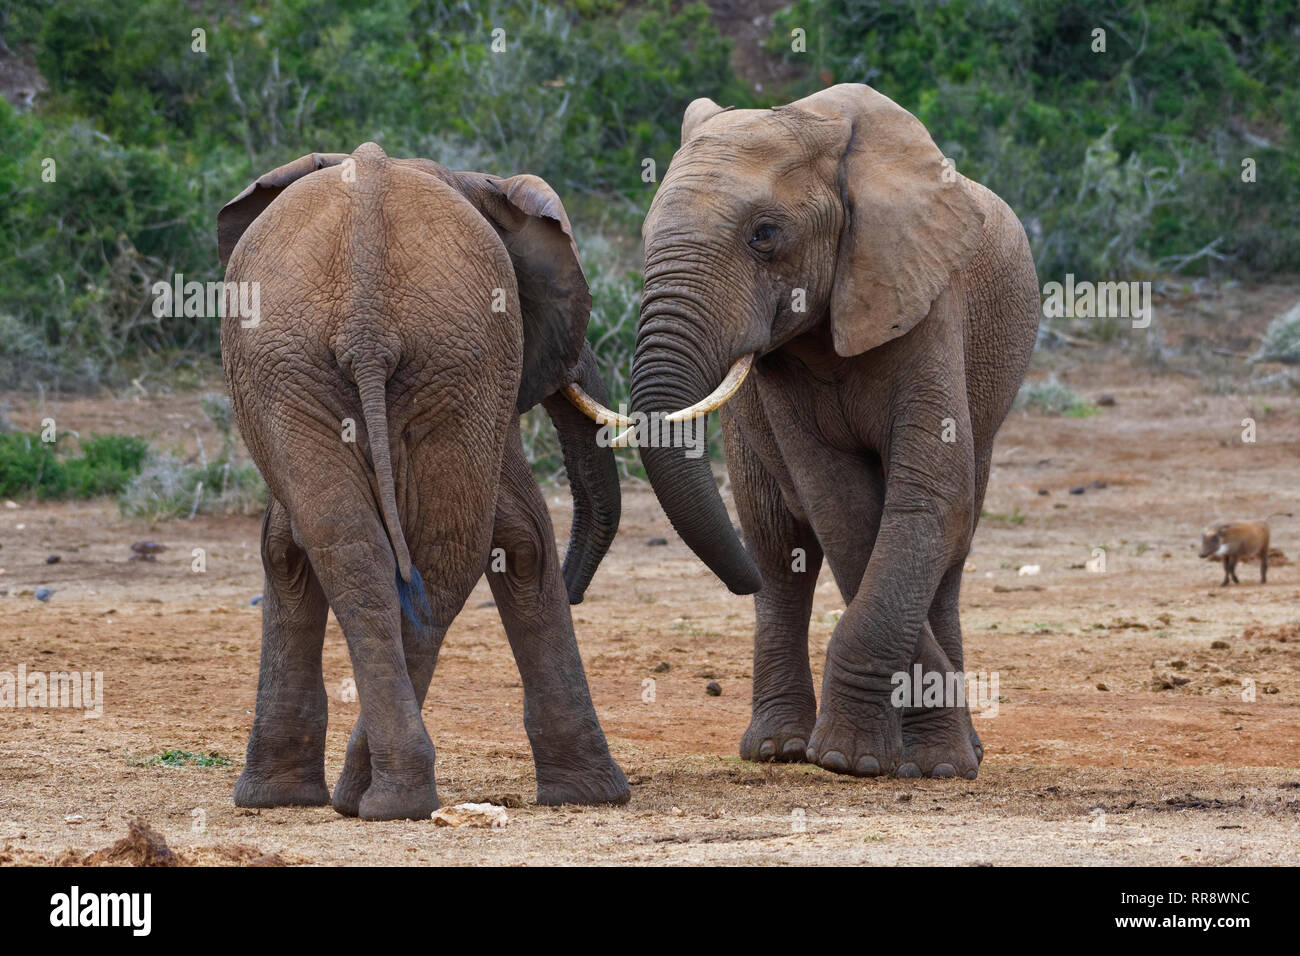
[
  {"x": 836, "y": 212},
  {"x": 555, "y": 303}
]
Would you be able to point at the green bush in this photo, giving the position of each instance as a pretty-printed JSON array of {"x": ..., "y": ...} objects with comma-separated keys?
[
  {"x": 1282, "y": 339},
  {"x": 1118, "y": 162},
  {"x": 31, "y": 467},
  {"x": 1051, "y": 397}
]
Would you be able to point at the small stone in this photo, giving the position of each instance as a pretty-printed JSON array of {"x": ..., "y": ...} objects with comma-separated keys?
[
  {"x": 42, "y": 594},
  {"x": 677, "y": 812},
  {"x": 53, "y": 559},
  {"x": 1078, "y": 491},
  {"x": 663, "y": 667},
  {"x": 1220, "y": 645},
  {"x": 74, "y": 818},
  {"x": 1106, "y": 400},
  {"x": 1102, "y": 687},
  {"x": 713, "y": 689},
  {"x": 11, "y": 505},
  {"x": 255, "y": 600},
  {"x": 148, "y": 548},
  {"x": 656, "y": 542},
  {"x": 1043, "y": 491}
]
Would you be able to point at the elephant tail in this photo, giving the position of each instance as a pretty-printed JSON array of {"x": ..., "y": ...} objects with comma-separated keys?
[{"x": 370, "y": 381}]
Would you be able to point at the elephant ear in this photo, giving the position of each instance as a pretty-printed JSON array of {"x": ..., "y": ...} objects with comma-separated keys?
[
  {"x": 907, "y": 226},
  {"x": 699, "y": 111},
  {"x": 238, "y": 214},
  {"x": 553, "y": 293}
]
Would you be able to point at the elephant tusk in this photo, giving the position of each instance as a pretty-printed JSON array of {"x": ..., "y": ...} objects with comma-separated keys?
[
  {"x": 622, "y": 440},
  {"x": 735, "y": 378},
  {"x": 597, "y": 412}
]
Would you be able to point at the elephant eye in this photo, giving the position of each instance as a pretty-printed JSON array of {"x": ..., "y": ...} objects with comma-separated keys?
[{"x": 763, "y": 238}]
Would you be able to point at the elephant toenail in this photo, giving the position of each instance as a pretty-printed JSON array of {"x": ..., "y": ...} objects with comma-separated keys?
[
  {"x": 971, "y": 774},
  {"x": 766, "y": 750},
  {"x": 793, "y": 748},
  {"x": 810, "y": 755},
  {"x": 867, "y": 766},
  {"x": 909, "y": 770},
  {"x": 836, "y": 761},
  {"x": 944, "y": 770}
]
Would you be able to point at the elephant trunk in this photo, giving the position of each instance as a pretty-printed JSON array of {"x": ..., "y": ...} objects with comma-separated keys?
[
  {"x": 593, "y": 479},
  {"x": 667, "y": 377}
]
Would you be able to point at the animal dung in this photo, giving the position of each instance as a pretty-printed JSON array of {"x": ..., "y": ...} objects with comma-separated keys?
[
  {"x": 486, "y": 816},
  {"x": 713, "y": 689}
]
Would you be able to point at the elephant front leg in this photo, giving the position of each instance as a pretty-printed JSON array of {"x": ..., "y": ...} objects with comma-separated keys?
[
  {"x": 789, "y": 557},
  {"x": 570, "y": 753},
  {"x": 285, "y": 762},
  {"x": 859, "y": 729}
]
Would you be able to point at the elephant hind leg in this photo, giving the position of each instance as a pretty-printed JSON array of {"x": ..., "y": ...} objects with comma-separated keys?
[
  {"x": 570, "y": 753},
  {"x": 938, "y": 739},
  {"x": 285, "y": 762},
  {"x": 945, "y": 623},
  {"x": 789, "y": 558},
  {"x": 345, "y": 540}
]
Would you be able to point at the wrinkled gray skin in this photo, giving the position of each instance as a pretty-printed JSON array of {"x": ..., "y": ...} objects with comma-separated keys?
[
  {"x": 921, "y": 309},
  {"x": 378, "y": 281}
]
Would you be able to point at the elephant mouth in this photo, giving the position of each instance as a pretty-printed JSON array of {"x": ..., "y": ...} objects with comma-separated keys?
[{"x": 601, "y": 415}]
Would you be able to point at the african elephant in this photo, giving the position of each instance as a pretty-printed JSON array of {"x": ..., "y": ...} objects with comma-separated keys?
[
  {"x": 408, "y": 315},
  {"x": 888, "y": 308}
]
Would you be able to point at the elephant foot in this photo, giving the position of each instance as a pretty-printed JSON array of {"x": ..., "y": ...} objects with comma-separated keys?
[
  {"x": 778, "y": 732},
  {"x": 410, "y": 794},
  {"x": 939, "y": 742},
  {"x": 261, "y": 789},
  {"x": 355, "y": 778},
  {"x": 604, "y": 783},
  {"x": 856, "y": 737}
]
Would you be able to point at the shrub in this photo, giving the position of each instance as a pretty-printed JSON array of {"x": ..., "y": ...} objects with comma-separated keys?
[
  {"x": 1282, "y": 339},
  {"x": 29, "y": 466},
  {"x": 1051, "y": 397}
]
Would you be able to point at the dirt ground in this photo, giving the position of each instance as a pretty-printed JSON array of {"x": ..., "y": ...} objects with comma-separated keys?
[{"x": 1144, "y": 715}]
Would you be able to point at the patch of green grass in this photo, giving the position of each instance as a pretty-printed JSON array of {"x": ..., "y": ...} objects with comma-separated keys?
[
  {"x": 1015, "y": 517},
  {"x": 31, "y": 467},
  {"x": 1051, "y": 397},
  {"x": 180, "y": 758}
]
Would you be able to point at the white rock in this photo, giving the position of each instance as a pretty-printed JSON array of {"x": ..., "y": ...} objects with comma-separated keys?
[
  {"x": 1028, "y": 570},
  {"x": 485, "y": 815}
]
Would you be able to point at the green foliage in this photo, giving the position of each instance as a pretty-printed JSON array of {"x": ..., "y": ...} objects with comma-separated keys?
[
  {"x": 31, "y": 467},
  {"x": 181, "y": 758},
  {"x": 1282, "y": 339},
  {"x": 1120, "y": 162},
  {"x": 172, "y": 487},
  {"x": 1051, "y": 397}
]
